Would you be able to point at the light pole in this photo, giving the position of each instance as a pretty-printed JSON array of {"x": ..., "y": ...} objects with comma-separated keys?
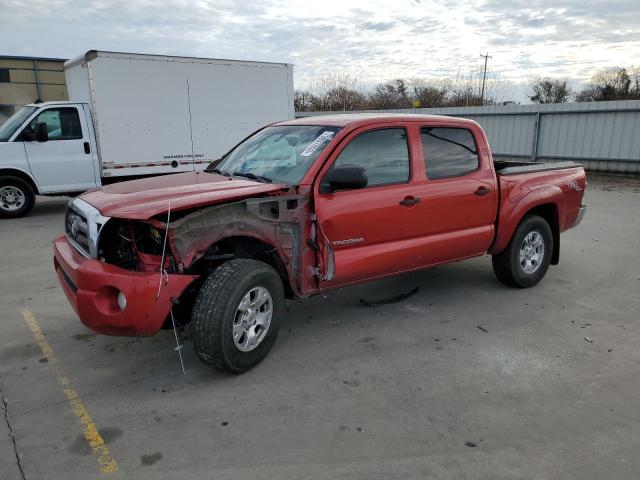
[{"x": 484, "y": 76}]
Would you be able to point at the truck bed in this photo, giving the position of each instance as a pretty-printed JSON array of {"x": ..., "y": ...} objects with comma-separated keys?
[{"x": 508, "y": 167}]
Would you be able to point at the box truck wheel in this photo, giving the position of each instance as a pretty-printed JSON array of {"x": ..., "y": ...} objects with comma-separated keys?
[
  {"x": 16, "y": 197},
  {"x": 526, "y": 260},
  {"x": 237, "y": 315}
]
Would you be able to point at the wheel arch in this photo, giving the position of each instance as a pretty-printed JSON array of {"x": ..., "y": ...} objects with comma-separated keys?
[
  {"x": 21, "y": 174},
  {"x": 246, "y": 246},
  {"x": 544, "y": 203}
]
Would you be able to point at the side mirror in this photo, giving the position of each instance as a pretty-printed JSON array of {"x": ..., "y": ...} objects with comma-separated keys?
[
  {"x": 41, "y": 134},
  {"x": 344, "y": 177}
]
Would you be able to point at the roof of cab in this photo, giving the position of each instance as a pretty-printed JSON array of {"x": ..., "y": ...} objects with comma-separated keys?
[
  {"x": 52, "y": 102},
  {"x": 359, "y": 119}
]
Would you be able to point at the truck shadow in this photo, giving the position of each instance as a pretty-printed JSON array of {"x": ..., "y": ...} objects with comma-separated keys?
[
  {"x": 49, "y": 206},
  {"x": 313, "y": 323},
  {"x": 453, "y": 287}
]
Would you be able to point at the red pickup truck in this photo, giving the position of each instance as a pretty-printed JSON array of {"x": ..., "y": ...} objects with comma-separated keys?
[{"x": 301, "y": 207}]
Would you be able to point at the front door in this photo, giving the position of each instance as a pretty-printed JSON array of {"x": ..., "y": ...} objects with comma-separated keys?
[
  {"x": 370, "y": 232},
  {"x": 64, "y": 163}
]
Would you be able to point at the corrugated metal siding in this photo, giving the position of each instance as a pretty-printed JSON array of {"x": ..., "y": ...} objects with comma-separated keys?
[{"x": 603, "y": 136}]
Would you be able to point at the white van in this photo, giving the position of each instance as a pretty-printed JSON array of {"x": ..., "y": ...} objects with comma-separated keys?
[{"x": 132, "y": 115}]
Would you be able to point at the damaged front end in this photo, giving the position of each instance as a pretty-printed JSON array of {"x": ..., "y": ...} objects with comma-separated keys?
[
  {"x": 278, "y": 229},
  {"x": 110, "y": 272},
  {"x": 270, "y": 228}
]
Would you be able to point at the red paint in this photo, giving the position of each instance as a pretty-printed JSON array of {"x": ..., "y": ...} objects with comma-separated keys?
[
  {"x": 449, "y": 223},
  {"x": 521, "y": 193},
  {"x": 96, "y": 288},
  {"x": 142, "y": 199}
]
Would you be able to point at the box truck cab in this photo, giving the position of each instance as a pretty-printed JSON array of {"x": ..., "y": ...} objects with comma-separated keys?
[
  {"x": 46, "y": 148},
  {"x": 133, "y": 115}
]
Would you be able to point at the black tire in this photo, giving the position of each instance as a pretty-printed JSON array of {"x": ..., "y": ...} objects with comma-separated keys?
[
  {"x": 507, "y": 266},
  {"x": 6, "y": 210},
  {"x": 215, "y": 309}
]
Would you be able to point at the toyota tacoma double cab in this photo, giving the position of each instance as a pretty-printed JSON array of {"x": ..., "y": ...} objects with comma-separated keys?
[{"x": 298, "y": 208}]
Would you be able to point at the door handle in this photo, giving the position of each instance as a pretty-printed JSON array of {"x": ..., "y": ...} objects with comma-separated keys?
[
  {"x": 409, "y": 201},
  {"x": 482, "y": 191},
  {"x": 87, "y": 148}
]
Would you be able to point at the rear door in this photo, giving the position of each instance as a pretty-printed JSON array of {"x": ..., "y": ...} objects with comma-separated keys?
[
  {"x": 458, "y": 197},
  {"x": 64, "y": 163},
  {"x": 368, "y": 232}
]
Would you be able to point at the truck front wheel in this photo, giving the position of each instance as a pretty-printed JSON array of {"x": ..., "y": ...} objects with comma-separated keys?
[
  {"x": 16, "y": 197},
  {"x": 526, "y": 260},
  {"x": 236, "y": 315}
]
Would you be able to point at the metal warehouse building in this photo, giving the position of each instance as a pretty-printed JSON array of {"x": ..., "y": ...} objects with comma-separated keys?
[{"x": 25, "y": 79}]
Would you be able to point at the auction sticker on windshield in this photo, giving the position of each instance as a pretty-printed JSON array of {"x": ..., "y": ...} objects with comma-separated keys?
[{"x": 317, "y": 143}]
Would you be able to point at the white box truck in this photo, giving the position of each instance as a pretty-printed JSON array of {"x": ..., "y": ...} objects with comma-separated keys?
[{"x": 132, "y": 115}]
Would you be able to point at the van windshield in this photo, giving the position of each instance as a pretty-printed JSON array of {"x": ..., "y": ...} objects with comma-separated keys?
[
  {"x": 281, "y": 154},
  {"x": 9, "y": 127}
]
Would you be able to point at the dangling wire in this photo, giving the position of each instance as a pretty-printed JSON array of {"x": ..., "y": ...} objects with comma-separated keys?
[
  {"x": 163, "y": 273},
  {"x": 178, "y": 344},
  {"x": 165, "y": 276}
]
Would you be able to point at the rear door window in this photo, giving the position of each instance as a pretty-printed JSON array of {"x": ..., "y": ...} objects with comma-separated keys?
[
  {"x": 448, "y": 152},
  {"x": 384, "y": 154}
]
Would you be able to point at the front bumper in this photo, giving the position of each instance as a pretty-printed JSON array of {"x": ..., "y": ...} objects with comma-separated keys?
[{"x": 92, "y": 288}]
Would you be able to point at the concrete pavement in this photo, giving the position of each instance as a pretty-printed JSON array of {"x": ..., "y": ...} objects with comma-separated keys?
[{"x": 348, "y": 391}]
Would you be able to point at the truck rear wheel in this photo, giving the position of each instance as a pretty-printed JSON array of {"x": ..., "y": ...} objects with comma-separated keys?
[
  {"x": 237, "y": 315},
  {"x": 16, "y": 197},
  {"x": 526, "y": 260}
]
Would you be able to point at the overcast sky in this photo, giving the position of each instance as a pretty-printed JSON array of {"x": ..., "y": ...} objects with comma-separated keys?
[{"x": 373, "y": 40}]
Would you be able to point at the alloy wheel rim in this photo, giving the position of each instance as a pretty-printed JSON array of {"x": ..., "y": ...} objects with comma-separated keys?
[
  {"x": 11, "y": 198},
  {"x": 252, "y": 319},
  {"x": 531, "y": 252}
]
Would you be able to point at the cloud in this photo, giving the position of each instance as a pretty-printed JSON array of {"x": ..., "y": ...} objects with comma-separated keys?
[
  {"x": 378, "y": 26},
  {"x": 372, "y": 40}
]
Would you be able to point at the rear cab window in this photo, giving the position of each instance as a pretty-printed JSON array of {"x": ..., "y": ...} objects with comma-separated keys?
[
  {"x": 448, "y": 152},
  {"x": 383, "y": 153}
]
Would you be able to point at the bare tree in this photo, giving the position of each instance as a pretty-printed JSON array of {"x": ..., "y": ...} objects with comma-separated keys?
[
  {"x": 498, "y": 90},
  {"x": 466, "y": 90},
  {"x": 337, "y": 92},
  {"x": 303, "y": 101},
  {"x": 548, "y": 90},
  {"x": 430, "y": 93},
  {"x": 390, "y": 95},
  {"x": 343, "y": 98},
  {"x": 342, "y": 92},
  {"x": 612, "y": 84}
]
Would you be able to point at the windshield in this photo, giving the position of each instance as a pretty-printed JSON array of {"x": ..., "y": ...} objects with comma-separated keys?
[
  {"x": 8, "y": 128},
  {"x": 281, "y": 154}
]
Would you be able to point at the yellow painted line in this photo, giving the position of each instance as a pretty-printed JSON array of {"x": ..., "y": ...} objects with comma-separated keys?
[{"x": 98, "y": 447}]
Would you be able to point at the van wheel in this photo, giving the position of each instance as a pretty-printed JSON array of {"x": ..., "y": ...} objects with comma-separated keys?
[
  {"x": 16, "y": 197},
  {"x": 526, "y": 260},
  {"x": 237, "y": 314}
]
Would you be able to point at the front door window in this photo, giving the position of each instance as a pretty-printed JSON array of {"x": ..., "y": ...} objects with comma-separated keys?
[{"x": 62, "y": 123}]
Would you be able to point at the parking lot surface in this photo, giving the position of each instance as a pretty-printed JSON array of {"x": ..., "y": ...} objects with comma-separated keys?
[{"x": 465, "y": 379}]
